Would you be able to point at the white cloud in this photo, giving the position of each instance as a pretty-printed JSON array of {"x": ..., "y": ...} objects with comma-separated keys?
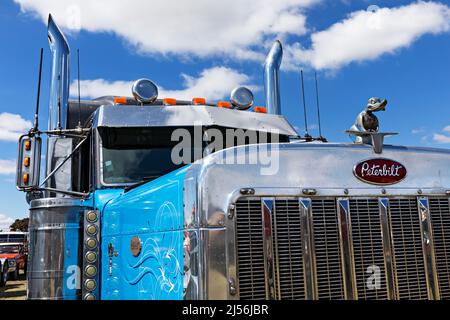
[
  {"x": 440, "y": 138},
  {"x": 366, "y": 35},
  {"x": 244, "y": 29},
  {"x": 200, "y": 27},
  {"x": 12, "y": 126},
  {"x": 7, "y": 167},
  {"x": 214, "y": 83},
  {"x": 5, "y": 222}
]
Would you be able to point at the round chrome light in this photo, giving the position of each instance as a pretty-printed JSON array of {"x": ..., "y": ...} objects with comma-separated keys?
[
  {"x": 91, "y": 230},
  {"x": 90, "y": 285},
  {"x": 89, "y": 296},
  {"x": 241, "y": 98},
  {"x": 92, "y": 216},
  {"x": 90, "y": 271},
  {"x": 91, "y": 243},
  {"x": 145, "y": 91},
  {"x": 91, "y": 257}
]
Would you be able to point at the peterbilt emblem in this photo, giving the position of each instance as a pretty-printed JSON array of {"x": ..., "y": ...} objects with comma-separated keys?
[
  {"x": 135, "y": 246},
  {"x": 380, "y": 171}
]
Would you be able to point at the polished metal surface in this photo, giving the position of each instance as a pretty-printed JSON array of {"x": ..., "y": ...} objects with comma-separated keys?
[
  {"x": 211, "y": 201},
  {"x": 368, "y": 249},
  {"x": 211, "y": 194},
  {"x": 360, "y": 247},
  {"x": 60, "y": 78},
  {"x": 55, "y": 256},
  {"x": 440, "y": 221},
  {"x": 251, "y": 263},
  {"x": 241, "y": 98},
  {"x": 144, "y": 91},
  {"x": 289, "y": 248},
  {"x": 428, "y": 248},
  {"x": 271, "y": 78},
  {"x": 327, "y": 249},
  {"x": 409, "y": 266},
  {"x": 182, "y": 116},
  {"x": 270, "y": 264}
]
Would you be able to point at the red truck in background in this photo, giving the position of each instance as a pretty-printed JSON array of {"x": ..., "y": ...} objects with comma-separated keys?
[{"x": 13, "y": 255}]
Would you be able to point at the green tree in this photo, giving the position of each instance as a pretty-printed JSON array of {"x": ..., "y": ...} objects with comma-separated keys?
[{"x": 20, "y": 225}]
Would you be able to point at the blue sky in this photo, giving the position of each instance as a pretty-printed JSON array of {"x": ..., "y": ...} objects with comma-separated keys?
[{"x": 394, "y": 49}]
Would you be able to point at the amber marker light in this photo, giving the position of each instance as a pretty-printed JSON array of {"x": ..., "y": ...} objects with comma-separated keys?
[
  {"x": 198, "y": 101},
  {"x": 26, "y": 178},
  {"x": 28, "y": 145},
  {"x": 260, "y": 109},
  {"x": 26, "y": 162},
  {"x": 120, "y": 100},
  {"x": 224, "y": 104},
  {"x": 169, "y": 102}
]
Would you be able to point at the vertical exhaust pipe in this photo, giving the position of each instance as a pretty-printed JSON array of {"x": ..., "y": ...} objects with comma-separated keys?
[
  {"x": 271, "y": 78},
  {"x": 59, "y": 83}
]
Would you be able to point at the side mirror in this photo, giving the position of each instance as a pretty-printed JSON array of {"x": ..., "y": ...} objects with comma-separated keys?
[{"x": 28, "y": 162}]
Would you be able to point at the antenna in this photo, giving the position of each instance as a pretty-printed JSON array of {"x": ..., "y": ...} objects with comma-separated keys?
[
  {"x": 307, "y": 136},
  {"x": 36, "y": 115},
  {"x": 79, "y": 98},
  {"x": 318, "y": 109}
]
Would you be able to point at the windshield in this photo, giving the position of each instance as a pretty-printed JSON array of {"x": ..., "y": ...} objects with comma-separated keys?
[
  {"x": 130, "y": 155},
  {"x": 9, "y": 249}
]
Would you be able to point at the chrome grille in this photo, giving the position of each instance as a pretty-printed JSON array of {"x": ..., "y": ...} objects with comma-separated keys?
[
  {"x": 288, "y": 250},
  {"x": 376, "y": 234},
  {"x": 368, "y": 248},
  {"x": 409, "y": 267},
  {"x": 250, "y": 250},
  {"x": 327, "y": 249},
  {"x": 440, "y": 219}
]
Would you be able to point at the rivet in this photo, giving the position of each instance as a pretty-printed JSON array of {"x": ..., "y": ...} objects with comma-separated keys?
[{"x": 345, "y": 191}]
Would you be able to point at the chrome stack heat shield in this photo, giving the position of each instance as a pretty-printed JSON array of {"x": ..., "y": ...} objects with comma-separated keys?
[{"x": 271, "y": 78}]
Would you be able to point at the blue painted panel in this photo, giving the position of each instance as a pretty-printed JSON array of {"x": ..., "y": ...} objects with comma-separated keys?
[{"x": 154, "y": 212}]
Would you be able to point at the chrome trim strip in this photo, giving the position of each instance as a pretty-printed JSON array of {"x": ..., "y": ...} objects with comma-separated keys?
[
  {"x": 386, "y": 233},
  {"x": 269, "y": 221},
  {"x": 307, "y": 248},
  {"x": 346, "y": 248},
  {"x": 428, "y": 249}
]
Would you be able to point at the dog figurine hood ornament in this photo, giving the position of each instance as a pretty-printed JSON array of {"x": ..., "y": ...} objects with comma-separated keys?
[{"x": 366, "y": 126}]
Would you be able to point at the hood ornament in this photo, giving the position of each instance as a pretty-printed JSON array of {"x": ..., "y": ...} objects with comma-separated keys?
[{"x": 366, "y": 126}]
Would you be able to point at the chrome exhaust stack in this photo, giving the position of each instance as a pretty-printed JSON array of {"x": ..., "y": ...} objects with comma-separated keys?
[
  {"x": 59, "y": 83},
  {"x": 271, "y": 78}
]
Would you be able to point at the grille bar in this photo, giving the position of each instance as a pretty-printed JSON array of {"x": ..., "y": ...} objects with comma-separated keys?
[
  {"x": 288, "y": 229},
  {"x": 368, "y": 249},
  {"x": 409, "y": 266},
  {"x": 329, "y": 282},
  {"x": 440, "y": 220},
  {"x": 250, "y": 250}
]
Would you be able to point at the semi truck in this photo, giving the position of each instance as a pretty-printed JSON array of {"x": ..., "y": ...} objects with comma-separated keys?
[{"x": 148, "y": 197}]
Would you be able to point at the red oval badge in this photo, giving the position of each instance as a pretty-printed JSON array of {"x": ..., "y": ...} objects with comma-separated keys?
[{"x": 380, "y": 171}]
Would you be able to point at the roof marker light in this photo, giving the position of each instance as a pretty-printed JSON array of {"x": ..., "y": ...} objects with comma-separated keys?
[
  {"x": 198, "y": 101},
  {"x": 169, "y": 102},
  {"x": 260, "y": 109},
  {"x": 224, "y": 104},
  {"x": 120, "y": 100}
]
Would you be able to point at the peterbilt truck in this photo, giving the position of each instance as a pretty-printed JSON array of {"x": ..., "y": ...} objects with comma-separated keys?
[{"x": 148, "y": 197}]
